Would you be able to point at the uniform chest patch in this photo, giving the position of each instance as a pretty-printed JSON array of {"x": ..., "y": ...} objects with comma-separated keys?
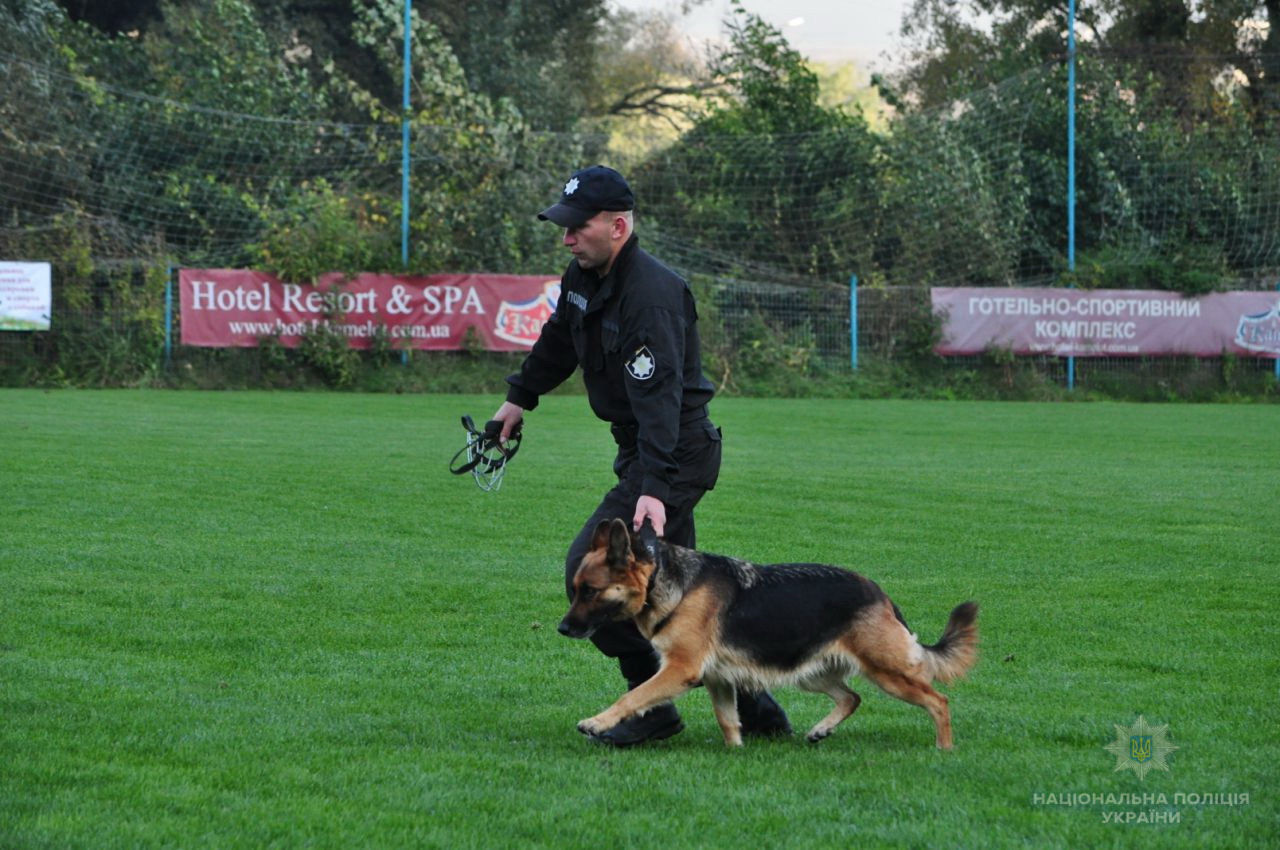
[{"x": 641, "y": 364}]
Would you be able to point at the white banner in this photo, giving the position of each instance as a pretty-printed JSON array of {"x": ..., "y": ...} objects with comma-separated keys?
[
  {"x": 26, "y": 296},
  {"x": 1108, "y": 322}
]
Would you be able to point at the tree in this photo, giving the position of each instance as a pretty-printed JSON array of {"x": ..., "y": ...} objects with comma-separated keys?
[
  {"x": 651, "y": 76},
  {"x": 541, "y": 55},
  {"x": 769, "y": 176},
  {"x": 957, "y": 46},
  {"x": 1176, "y": 127}
]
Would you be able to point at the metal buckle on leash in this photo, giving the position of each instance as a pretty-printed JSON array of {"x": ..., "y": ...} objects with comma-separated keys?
[{"x": 483, "y": 456}]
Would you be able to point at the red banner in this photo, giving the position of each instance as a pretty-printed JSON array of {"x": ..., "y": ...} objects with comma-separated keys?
[
  {"x": 233, "y": 307},
  {"x": 1108, "y": 322}
]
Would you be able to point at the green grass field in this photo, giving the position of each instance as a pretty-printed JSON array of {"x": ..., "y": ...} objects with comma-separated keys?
[{"x": 255, "y": 619}]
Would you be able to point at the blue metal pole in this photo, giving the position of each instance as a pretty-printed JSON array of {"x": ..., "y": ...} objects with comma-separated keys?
[
  {"x": 404, "y": 146},
  {"x": 404, "y": 136},
  {"x": 168, "y": 320},
  {"x": 1071, "y": 162},
  {"x": 853, "y": 322}
]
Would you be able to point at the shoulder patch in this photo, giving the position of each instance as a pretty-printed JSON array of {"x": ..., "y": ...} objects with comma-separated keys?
[{"x": 641, "y": 366}]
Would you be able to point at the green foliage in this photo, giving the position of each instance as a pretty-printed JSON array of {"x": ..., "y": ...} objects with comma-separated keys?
[
  {"x": 543, "y": 57},
  {"x": 222, "y": 54},
  {"x": 769, "y": 129},
  {"x": 183, "y": 179},
  {"x": 329, "y": 354},
  {"x": 1179, "y": 200},
  {"x": 473, "y": 211},
  {"x": 949, "y": 216},
  {"x": 959, "y": 46},
  {"x": 328, "y": 232},
  {"x": 470, "y": 208},
  {"x": 767, "y": 354},
  {"x": 771, "y": 88},
  {"x": 1192, "y": 270},
  {"x": 1172, "y": 147},
  {"x": 107, "y": 326}
]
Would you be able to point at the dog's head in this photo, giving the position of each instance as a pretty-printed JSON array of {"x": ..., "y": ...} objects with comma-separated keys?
[{"x": 611, "y": 583}]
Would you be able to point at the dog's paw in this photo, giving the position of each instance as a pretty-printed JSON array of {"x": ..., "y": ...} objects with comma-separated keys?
[
  {"x": 592, "y": 726},
  {"x": 817, "y": 734}
]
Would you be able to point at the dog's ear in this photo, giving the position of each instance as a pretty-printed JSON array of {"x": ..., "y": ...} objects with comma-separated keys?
[
  {"x": 619, "y": 556},
  {"x": 600, "y": 537},
  {"x": 645, "y": 543}
]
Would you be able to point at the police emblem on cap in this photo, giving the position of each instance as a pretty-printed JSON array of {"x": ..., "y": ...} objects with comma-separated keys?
[
  {"x": 588, "y": 192},
  {"x": 641, "y": 364}
]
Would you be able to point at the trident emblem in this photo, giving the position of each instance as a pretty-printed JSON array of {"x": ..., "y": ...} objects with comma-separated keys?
[{"x": 1140, "y": 748}]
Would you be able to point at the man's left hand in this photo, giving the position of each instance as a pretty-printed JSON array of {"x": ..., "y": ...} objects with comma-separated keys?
[{"x": 647, "y": 507}]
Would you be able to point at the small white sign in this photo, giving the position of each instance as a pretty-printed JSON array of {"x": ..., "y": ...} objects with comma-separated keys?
[{"x": 26, "y": 296}]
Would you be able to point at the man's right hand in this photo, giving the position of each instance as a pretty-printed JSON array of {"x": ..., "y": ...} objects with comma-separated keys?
[{"x": 509, "y": 415}]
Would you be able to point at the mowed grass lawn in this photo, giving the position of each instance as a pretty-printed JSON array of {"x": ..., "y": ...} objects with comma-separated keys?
[{"x": 256, "y": 619}]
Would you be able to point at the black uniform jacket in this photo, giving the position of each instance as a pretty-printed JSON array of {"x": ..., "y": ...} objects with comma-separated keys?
[{"x": 635, "y": 335}]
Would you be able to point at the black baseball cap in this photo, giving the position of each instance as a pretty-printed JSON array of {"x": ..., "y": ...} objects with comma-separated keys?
[{"x": 588, "y": 192}]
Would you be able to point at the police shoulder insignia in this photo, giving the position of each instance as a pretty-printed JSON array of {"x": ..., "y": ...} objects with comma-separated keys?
[{"x": 641, "y": 365}]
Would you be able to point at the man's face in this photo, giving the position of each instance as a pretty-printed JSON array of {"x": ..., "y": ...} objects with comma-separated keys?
[{"x": 592, "y": 243}]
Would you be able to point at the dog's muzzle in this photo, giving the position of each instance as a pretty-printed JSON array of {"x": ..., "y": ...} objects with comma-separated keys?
[{"x": 575, "y": 628}]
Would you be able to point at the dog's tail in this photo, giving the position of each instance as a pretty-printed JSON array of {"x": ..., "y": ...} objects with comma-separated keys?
[{"x": 957, "y": 649}]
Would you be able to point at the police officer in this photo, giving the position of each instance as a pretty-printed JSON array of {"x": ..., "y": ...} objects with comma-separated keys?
[{"x": 630, "y": 323}]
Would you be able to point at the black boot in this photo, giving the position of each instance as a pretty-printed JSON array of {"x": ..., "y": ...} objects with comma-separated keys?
[
  {"x": 659, "y": 722},
  {"x": 761, "y": 716}
]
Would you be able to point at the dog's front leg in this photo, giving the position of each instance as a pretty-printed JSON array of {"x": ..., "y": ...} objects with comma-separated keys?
[{"x": 668, "y": 683}]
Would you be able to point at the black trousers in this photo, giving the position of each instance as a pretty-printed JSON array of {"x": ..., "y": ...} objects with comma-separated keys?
[{"x": 698, "y": 456}]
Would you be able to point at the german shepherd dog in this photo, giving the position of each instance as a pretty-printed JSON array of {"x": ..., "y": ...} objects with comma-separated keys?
[{"x": 728, "y": 624}]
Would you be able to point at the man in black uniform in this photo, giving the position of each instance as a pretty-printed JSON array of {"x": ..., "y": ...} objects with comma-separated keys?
[{"x": 630, "y": 323}]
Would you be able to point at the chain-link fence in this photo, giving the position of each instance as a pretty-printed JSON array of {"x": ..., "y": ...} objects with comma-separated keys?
[{"x": 115, "y": 186}]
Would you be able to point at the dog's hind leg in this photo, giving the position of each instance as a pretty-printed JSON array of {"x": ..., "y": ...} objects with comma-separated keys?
[
  {"x": 917, "y": 692},
  {"x": 724, "y": 699},
  {"x": 846, "y": 703}
]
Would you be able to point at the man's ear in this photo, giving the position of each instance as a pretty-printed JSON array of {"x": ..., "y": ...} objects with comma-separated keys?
[{"x": 619, "y": 228}]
